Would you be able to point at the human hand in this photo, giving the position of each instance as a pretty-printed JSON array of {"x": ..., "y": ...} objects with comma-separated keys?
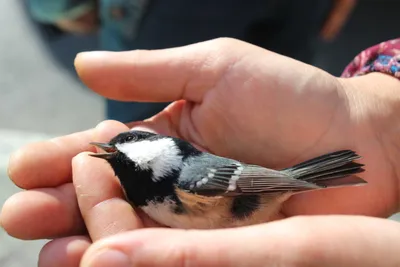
[
  {"x": 345, "y": 241},
  {"x": 225, "y": 84}
]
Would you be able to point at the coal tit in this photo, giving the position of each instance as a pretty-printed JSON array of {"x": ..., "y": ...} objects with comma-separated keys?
[{"x": 180, "y": 186}]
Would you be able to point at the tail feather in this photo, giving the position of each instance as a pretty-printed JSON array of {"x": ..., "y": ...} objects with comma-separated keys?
[
  {"x": 341, "y": 181},
  {"x": 334, "y": 169}
]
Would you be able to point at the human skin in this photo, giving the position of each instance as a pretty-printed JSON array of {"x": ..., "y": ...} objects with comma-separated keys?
[{"x": 232, "y": 99}]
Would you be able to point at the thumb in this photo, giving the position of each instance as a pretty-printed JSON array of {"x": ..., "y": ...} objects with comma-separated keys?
[
  {"x": 299, "y": 241},
  {"x": 178, "y": 248},
  {"x": 159, "y": 75}
]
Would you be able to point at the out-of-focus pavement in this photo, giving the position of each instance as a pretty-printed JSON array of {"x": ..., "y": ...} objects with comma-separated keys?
[{"x": 41, "y": 97}]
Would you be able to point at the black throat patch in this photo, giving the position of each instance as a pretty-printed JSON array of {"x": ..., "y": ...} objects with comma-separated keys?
[{"x": 138, "y": 184}]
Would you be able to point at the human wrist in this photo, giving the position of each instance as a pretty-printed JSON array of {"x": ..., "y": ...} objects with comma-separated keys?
[{"x": 374, "y": 115}]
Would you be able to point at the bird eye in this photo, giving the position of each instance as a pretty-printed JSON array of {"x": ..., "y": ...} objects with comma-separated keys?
[{"x": 129, "y": 138}]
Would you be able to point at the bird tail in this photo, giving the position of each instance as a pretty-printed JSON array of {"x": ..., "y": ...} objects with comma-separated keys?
[{"x": 329, "y": 170}]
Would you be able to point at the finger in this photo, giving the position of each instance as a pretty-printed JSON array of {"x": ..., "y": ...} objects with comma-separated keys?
[
  {"x": 48, "y": 163},
  {"x": 160, "y": 75},
  {"x": 29, "y": 166},
  {"x": 166, "y": 122},
  {"x": 313, "y": 241},
  {"x": 174, "y": 121},
  {"x": 42, "y": 213},
  {"x": 101, "y": 199},
  {"x": 64, "y": 252},
  {"x": 51, "y": 212}
]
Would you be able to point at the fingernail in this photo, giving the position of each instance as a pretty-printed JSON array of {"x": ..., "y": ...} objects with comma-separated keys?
[{"x": 109, "y": 258}]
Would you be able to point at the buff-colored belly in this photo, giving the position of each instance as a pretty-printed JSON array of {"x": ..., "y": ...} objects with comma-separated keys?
[{"x": 212, "y": 217}]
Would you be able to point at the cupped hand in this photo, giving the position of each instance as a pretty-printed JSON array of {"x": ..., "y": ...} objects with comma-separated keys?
[
  {"x": 312, "y": 241},
  {"x": 231, "y": 98}
]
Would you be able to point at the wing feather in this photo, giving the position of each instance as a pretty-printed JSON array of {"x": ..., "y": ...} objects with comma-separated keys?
[{"x": 236, "y": 179}]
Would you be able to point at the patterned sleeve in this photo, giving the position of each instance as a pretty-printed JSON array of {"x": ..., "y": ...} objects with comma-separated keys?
[{"x": 383, "y": 57}]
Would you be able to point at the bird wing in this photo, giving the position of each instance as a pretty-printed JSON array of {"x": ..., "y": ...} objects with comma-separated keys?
[{"x": 235, "y": 178}]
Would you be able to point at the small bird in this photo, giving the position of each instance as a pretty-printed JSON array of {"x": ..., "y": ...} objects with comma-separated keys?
[{"x": 180, "y": 186}]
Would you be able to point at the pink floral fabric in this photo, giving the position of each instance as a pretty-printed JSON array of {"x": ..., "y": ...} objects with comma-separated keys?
[{"x": 383, "y": 57}]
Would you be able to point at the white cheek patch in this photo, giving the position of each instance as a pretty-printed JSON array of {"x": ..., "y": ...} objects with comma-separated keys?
[{"x": 161, "y": 155}]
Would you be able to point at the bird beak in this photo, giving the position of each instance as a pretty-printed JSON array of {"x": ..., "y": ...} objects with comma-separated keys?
[{"x": 110, "y": 150}]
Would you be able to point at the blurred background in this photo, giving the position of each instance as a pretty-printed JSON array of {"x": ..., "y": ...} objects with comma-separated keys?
[{"x": 41, "y": 96}]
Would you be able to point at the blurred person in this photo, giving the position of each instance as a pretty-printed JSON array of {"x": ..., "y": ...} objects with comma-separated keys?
[{"x": 288, "y": 27}]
